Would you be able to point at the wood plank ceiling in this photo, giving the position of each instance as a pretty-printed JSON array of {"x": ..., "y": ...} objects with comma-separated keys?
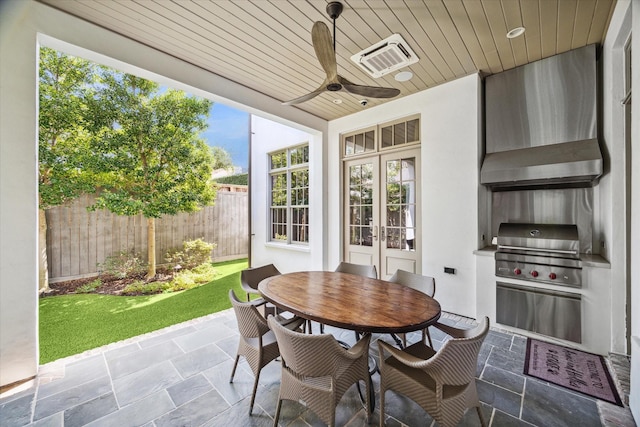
[{"x": 266, "y": 44}]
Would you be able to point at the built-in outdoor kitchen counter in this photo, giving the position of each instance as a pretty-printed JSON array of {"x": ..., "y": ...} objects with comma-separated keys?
[
  {"x": 541, "y": 168},
  {"x": 595, "y": 299}
]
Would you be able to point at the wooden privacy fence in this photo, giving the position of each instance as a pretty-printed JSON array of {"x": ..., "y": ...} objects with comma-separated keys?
[{"x": 79, "y": 240}]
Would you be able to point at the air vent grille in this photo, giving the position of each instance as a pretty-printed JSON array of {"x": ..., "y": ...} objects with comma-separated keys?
[{"x": 385, "y": 56}]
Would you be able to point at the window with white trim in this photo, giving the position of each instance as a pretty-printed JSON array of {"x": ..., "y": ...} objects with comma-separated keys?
[{"x": 289, "y": 188}]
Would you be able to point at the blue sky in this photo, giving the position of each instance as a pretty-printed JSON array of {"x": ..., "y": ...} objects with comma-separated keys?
[{"x": 229, "y": 129}]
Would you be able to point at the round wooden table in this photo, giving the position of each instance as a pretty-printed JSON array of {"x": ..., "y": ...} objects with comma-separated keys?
[{"x": 351, "y": 302}]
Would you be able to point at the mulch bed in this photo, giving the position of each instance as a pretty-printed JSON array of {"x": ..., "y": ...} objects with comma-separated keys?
[{"x": 111, "y": 285}]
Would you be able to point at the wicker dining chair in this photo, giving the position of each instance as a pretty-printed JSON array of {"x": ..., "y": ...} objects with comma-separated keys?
[
  {"x": 443, "y": 383},
  {"x": 317, "y": 370},
  {"x": 251, "y": 277},
  {"x": 358, "y": 269},
  {"x": 424, "y": 284},
  {"x": 257, "y": 342}
]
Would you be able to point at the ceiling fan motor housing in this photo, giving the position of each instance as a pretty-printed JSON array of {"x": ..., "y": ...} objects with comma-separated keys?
[{"x": 334, "y": 9}]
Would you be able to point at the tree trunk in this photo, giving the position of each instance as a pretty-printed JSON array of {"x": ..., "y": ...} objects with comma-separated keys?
[
  {"x": 151, "y": 245},
  {"x": 43, "y": 266}
]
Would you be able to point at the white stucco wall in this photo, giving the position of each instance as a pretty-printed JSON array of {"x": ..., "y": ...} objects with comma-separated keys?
[
  {"x": 449, "y": 150},
  {"x": 19, "y": 197},
  {"x": 635, "y": 215},
  {"x": 268, "y": 136},
  {"x": 23, "y": 24}
]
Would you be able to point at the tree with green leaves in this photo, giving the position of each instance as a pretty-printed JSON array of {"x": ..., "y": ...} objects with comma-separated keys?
[
  {"x": 221, "y": 158},
  {"x": 149, "y": 153},
  {"x": 64, "y": 133}
]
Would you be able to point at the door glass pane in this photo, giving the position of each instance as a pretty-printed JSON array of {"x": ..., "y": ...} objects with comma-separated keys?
[
  {"x": 401, "y": 204},
  {"x": 361, "y": 204}
]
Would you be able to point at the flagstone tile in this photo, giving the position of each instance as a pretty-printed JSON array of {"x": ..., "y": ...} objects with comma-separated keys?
[
  {"x": 504, "y": 379},
  {"x": 189, "y": 389},
  {"x": 143, "y": 359},
  {"x": 505, "y": 420},
  {"x": 140, "y": 384},
  {"x": 55, "y": 420},
  {"x": 17, "y": 412},
  {"x": 72, "y": 397},
  {"x": 499, "y": 398},
  {"x": 195, "y": 412},
  {"x": 203, "y": 337},
  {"x": 199, "y": 360},
  {"x": 89, "y": 411},
  {"x": 169, "y": 334},
  {"x": 551, "y": 406},
  {"x": 509, "y": 360},
  {"x": 139, "y": 413},
  {"x": 75, "y": 374},
  {"x": 498, "y": 339}
]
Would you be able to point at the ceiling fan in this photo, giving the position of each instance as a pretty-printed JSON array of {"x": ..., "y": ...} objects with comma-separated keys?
[{"x": 325, "y": 47}]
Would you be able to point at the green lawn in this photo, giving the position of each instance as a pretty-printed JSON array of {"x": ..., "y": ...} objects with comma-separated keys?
[{"x": 71, "y": 324}]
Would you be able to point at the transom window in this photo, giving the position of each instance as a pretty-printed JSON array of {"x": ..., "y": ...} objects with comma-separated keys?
[
  {"x": 289, "y": 187},
  {"x": 386, "y": 136}
]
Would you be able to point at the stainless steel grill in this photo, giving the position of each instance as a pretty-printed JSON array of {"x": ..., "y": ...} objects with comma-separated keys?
[
  {"x": 540, "y": 253},
  {"x": 543, "y": 253}
]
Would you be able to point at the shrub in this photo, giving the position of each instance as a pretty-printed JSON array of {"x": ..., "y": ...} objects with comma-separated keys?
[
  {"x": 240, "y": 179},
  {"x": 123, "y": 264},
  {"x": 189, "y": 279},
  {"x": 139, "y": 287},
  {"x": 87, "y": 288},
  {"x": 192, "y": 254}
]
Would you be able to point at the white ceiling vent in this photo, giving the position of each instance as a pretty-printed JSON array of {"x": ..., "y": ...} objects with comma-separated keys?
[{"x": 386, "y": 56}]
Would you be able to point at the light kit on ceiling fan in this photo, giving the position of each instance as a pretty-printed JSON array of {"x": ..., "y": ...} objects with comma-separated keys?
[{"x": 325, "y": 48}]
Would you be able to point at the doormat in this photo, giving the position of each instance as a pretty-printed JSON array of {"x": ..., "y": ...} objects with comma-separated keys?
[{"x": 576, "y": 370}]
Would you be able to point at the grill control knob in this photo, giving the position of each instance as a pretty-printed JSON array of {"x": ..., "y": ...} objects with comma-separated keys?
[
  {"x": 534, "y": 273},
  {"x": 517, "y": 271},
  {"x": 552, "y": 276}
]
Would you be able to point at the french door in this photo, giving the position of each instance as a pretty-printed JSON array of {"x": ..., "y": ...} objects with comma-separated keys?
[{"x": 382, "y": 223}]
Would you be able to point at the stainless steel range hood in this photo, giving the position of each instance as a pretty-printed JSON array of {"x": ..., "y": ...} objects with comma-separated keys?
[
  {"x": 569, "y": 164},
  {"x": 541, "y": 124}
]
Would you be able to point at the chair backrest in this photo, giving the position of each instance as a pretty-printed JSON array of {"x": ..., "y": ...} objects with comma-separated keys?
[
  {"x": 251, "y": 277},
  {"x": 455, "y": 363},
  {"x": 424, "y": 284},
  {"x": 251, "y": 324},
  {"x": 306, "y": 354},
  {"x": 358, "y": 269}
]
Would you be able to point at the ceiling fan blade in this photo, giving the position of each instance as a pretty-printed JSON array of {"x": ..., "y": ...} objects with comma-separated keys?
[
  {"x": 308, "y": 96},
  {"x": 368, "y": 91},
  {"x": 323, "y": 45}
]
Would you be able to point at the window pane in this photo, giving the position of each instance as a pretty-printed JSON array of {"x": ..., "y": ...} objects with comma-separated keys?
[
  {"x": 413, "y": 131},
  {"x": 359, "y": 142},
  {"x": 369, "y": 141},
  {"x": 300, "y": 155},
  {"x": 399, "y": 135},
  {"x": 279, "y": 160},
  {"x": 386, "y": 136},
  {"x": 348, "y": 146},
  {"x": 300, "y": 225}
]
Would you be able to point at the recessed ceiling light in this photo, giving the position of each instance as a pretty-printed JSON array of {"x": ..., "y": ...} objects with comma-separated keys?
[
  {"x": 403, "y": 76},
  {"x": 515, "y": 32},
  {"x": 337, "y": 101}
]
